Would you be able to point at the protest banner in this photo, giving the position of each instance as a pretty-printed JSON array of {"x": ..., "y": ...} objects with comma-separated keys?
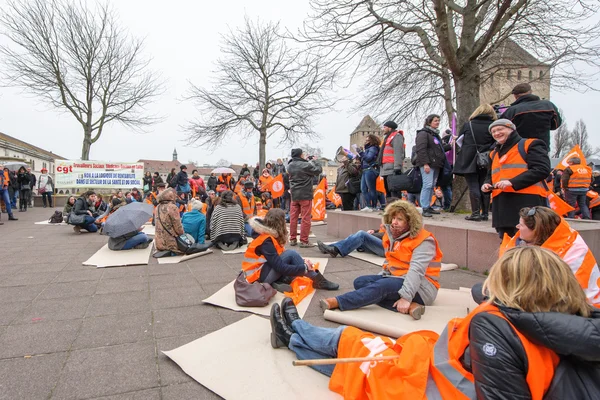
[{"x": 98, "y": 174}]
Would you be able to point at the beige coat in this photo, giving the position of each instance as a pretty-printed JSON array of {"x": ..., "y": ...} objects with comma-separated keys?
[{"x": 167, "y": 219}]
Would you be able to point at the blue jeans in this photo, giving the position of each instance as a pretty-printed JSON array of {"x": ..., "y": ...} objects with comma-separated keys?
[
  {"x": 140, "y": 238},
  {"x": 291, "y": 257},
  {"x": 249, "y": 229},
  {"x": 312, "y": 342},
  {"x": 427, "y": 189},
  {"x": 360, "y": 239},
  {"x": 374, "y": 289},
  {"x": 447, "y": 191},
  {"x": 577, "y": 198},
  {"x": 13, "y": 200},
  {"x": 381, "y": 199},
  {"x": 4, "y": 195},
  {"x": 367, "y": 187},
  {"x": 89, "y": 224}
]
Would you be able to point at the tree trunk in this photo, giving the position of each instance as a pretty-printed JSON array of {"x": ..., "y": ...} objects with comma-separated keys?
[
  {"x": 262, "y": 148},
  {"x": 87, "y": 143},
  {"x": 467, "y": 100}
]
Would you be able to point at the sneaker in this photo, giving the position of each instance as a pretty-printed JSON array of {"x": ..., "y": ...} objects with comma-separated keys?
[
  {"x": 293, "y": 242},
  {"x": 367, "y": 209},
  {"x": 77, "y": 229},
  {"x": 305, "y": 245}
]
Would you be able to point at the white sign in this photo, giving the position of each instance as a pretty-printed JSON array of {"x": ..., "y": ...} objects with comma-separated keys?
[{"x": 98, "y": 174}]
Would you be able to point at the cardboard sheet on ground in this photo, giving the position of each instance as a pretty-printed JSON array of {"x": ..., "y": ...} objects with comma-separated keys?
[
  {"x": 238, "y": 363},
  {"x": 226, "y": 297},
  {"x": 314, "y": 223},
  {"x": 109, "y": 258},
  {"x": 48, "y": 223},
  {"x": 179, "y": 259},
  {"x": 448, "y": 304},
  {"x": 149, "y": 230},
  {"x": 239, "y": 250}
]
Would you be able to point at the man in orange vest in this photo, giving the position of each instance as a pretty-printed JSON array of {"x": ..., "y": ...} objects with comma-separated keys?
[
  {"x": 391, "y": 154},
  {"x": 248, "y": 204},
  {"x": 576, "y": 180}
]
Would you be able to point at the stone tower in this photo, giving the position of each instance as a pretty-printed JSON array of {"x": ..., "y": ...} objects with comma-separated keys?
[
  {"x": 174, "y": 154},
  {"x": 366, "y": 127}
]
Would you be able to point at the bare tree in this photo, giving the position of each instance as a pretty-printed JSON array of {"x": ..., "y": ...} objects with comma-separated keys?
[
  {"x": 562, "y": 141},
  {"x": 223, "y": 163},
  {"x": 310, "y": 150},
  {"x": 579, "y": 135},
  {"x": 78, "y": 60},
  {"x": 262, "y": 86}
]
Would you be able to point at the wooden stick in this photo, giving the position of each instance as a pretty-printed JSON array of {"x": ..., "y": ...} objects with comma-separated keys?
[{"x": 329, "y": 361}]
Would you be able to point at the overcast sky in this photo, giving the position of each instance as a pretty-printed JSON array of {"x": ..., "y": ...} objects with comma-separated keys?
[{"x": 182, "y": 37}]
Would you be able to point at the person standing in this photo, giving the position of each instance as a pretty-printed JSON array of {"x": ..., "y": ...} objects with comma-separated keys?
[
  {"x": 346, "y": 172},
  {"x": 534, "y": 118},
  {"x": 476, "y": 139},
  {"x": 147, "y": 183},
  {"x": 170, "y": 177},
  {"x": 517, "y": 176},
  {"x": 183, "y": 184},
  {"x": 32, "y": 185},
  {"x": 46, "y": 187},
  {"x": 431, "y": 157},
  {"x": 370, "y": 171},
  {"x": 302, "y": 172},
  {"x": 391, "y": 156},
  {"x": 244, "y": 170},
  {"x": 4, "y": 193},
  {"x": 576, "y": 180},
  {"x": 279, "y": 168},
  {"x": 156, "y": 180},
  {"x": 24, "y": 180},
  {"x": 212, "y": 182},
  {"x": 256, "y": 172}
]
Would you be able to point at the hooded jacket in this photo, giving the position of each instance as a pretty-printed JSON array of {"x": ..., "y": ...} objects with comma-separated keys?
[
  {"x": 430, "y": 149},
  {"x": 194, "y": 223},
  {"x": 168, "y": 222},
  {"x": 575, "y": 339},
  {"x": 466, "y": 158},
  {"x": 301, "y": 174},
  {"x": 345, "y": 172}
]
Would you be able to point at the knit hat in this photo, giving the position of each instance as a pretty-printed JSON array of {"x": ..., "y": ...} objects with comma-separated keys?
[
  {"x": 296, "y": 153},
  {"x": 248, "y": 185},
  {"x": 502, "y": 122},
  {"x": 196, "y": 205},
  {"x": 391, "y": 124}
]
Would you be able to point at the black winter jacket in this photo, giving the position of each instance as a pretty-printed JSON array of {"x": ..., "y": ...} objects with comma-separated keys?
[
  {"x": 81, "y": 206},
  {"x": 182, "y": 178},
  {"x": 501, "y": 374},
  {"x": 430, "y": 149},
  {"x": 466, "y": 158},
  {"x": 24, "y": 179},
  {"x": 211, "y": 183},
  {"x": 534, "y": 118},
  {"x": 301, "y": 174}
]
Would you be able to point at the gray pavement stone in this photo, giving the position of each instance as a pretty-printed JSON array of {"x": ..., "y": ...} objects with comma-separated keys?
[
  {"x": 169, "y": 371},
  {"x": 151, "y": 394},
  {"x": 38, "y": 338},
  {"x": 187, "y": 391},
  {"x": 123, "y": 284},
  {"x": 114, "y": 329},
  {"x": 86, "y": 274},
  {"x": 122, "y": 272},
  {"x": 20, "y": 293},
  {"x": 220, "y": 274},
  {"x": 108, "y": 371},
  {"x": 10, "y": 311},
  {"x": 55, "y": 310},
  {"x": 26, "y": 279},
  {"x": 69, "y": 289},
  {"x": 30, "y": 378},
  {"x": 168, "y": 269},
  {"x": 166, "y": 281},
  {"x": 186, "y": 320},
  {"x": 177, "y": 297},
  {"x": 46, "y": 267},
  {"x": 118, "y": 303}
]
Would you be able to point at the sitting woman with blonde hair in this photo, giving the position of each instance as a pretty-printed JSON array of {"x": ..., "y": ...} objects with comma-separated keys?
[{"x": 535, "y": 338}]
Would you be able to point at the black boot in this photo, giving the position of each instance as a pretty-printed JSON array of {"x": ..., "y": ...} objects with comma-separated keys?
[
  {"x": 12, "y": 218},
  {"x": 280, "y": 332},
  {"x": 474, "y": 217},
  {"x": 484, "y": 217},
  {"x": 290, "y": 312},
  {"x": 327, "y": 249},
  {"x": 319, "y": 282}
]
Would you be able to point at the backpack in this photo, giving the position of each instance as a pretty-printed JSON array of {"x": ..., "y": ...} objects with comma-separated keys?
[{"x": 56, "y": 218}]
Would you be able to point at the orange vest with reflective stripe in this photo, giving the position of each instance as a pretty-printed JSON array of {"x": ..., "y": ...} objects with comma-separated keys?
[
  {"x": 397, "y": 260},
  {"x": 570, "y": 246},
  {"x": 248, "y": 207},
  {"x": 511, "y": 165},
  {"x": 428, "y": 366},
  {"x": 594, "y": 198},
  {"x": 226, "y": 182},
  {"x": 253, "y": 263},
  {"x": 388, "y": 149},
  {"x": 581, "y": 178},
  {"x": 239, "y": 186}
]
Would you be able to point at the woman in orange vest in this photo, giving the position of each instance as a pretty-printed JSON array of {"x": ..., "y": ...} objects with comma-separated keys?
[
  {"x": 266, "y": 260},
  {"x": 225, "y": 182},
  {"x": 409, "y": 280},
  {"x": 264, "y": 180},
  {"x": 517, "y": 175},
  {"x": 576, "y": 181},
  {"x": 509, "y": 348},
  {"x": 542, "y": 226}
]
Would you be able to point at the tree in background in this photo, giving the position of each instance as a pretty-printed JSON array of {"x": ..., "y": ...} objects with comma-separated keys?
[
  {"x": 78, "y": 60},
  {"x": 262, "y": 86},
  {"x": 311, "y": 150},
  {"x": 562, "y": 141},
  {"x": 223, "y": 163},
  {"x": 565, "y": 139}
]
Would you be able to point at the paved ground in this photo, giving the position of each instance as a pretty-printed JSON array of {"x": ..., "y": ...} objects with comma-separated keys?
[{"x": 73, "y": 332}]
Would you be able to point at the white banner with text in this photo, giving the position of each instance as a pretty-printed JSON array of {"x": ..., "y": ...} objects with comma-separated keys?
[{"x": 98, "y": 174}]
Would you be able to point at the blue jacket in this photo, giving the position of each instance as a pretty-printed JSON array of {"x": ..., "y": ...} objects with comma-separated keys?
[
  {"x": 369, "y": 156},
  {"x": 194, "y": 223}
]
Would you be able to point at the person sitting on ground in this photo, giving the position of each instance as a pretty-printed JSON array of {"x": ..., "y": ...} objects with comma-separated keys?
[
  {"x": 267, "y": 261},
  {"x": 535, "y": 338},
  {"x": 194, "y": 221},
  {"x": 129, "y": 198},
  {"x": 227, "y": 222},
  {"x": 137, "y": 196},
  {"x": 267, "y": 202},
  {"x": 542, "y": 226},
  {"x": 82, "y": 209},
  {"x": 68, "y": 207},
  {"x": 115, "y": 204},
  {"x": 100, "y": 206},
  {"x": 132, "y": 240},
  {"x": 409, "y": 279},
  {"x": 182, "y": 202}
]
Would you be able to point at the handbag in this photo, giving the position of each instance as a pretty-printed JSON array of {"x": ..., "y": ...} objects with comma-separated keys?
[
  {"x": 184, "y": 241},
  {"x": 409, "y": 181},
  {"x": 482, "y": 159},
  {"x": 254, "y": 294},
  {"x": 75, "y": 219}
]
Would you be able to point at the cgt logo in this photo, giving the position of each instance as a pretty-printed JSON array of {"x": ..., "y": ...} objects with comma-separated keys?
[{"x": 64, "y": 169}]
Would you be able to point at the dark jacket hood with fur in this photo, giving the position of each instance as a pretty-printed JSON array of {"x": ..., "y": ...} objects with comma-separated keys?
[
  {"x": 415, "y": 221},
  {"x": 258, "y": 227}
]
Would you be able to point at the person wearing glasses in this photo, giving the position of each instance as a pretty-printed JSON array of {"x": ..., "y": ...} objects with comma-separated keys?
[
  {"x": 517, "y": 175},
  {"x": 542, "y": 226}
]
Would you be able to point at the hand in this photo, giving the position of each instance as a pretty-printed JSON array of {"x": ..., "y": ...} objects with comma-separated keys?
[
  {"x": 426, "y": 168},
  {"x": 370, "y": 231},
  {"x": 309, "y": 265},
  {"x": 503, "y": 184},
  {"x": 402, "y": 306},
  {"x": 89, "y": 212},
  {"x": 486, "y": 187}
]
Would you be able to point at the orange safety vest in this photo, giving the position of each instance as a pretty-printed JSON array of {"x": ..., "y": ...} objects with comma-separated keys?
[
  {"x": 397, "y": 260},
  {"x": 594, "y": 198},
  {"x": 511, "y": 165},
  {"x": 388, "y": 149},
  {"x": 226, "y": 182},
  {"x": 264, "y": 182},
  {"x": 248, "y": 206},
  {"x": 428, "y": 366},
  {"x": 570, "y": 246},
  {"x": 239, "y": 186},
  {"x": 252, "y": 264},
  {"x": 581, "y": 178}
]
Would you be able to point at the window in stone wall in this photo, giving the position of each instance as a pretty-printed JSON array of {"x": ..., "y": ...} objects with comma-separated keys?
[
  {"x": 530, "y": 75},
  {"x": 541, "y": 74},
  {"x": 32, "y": 164},
  {"x": 492, "y": 78},
  {"x": 509, "y": 74},
  {"x": 519, "y": 75}
]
